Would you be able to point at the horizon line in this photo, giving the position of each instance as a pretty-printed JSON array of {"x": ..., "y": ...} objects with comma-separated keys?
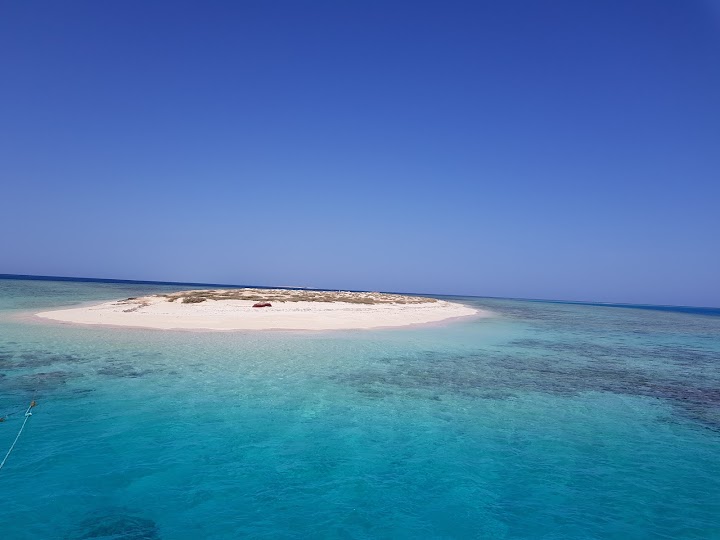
[{"x": 38, "y": 277}]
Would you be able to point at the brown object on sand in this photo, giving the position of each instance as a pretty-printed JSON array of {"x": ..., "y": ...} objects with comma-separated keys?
[{"x": 262, "y": 304}]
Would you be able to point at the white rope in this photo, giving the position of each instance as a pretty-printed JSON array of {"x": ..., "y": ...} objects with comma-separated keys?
[{"x": 28, "y": 414}]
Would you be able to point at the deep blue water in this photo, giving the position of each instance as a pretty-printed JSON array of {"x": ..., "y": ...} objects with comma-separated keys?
[
  {"x": 691, "y": 310},
  {"x": 548, "y": 420}
]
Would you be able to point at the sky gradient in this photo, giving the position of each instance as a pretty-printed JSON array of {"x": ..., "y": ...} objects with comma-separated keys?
[{"x": 564, "y": 150}]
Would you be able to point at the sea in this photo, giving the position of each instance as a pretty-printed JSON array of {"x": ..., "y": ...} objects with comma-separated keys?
[{"x": 546, "y": 420}]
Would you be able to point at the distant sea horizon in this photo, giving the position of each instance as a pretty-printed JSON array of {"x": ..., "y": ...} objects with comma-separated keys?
[{"x": 695, "y": 310}]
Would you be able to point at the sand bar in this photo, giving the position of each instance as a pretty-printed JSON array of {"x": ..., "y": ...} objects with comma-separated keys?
[{"x": 232, "y": 309}]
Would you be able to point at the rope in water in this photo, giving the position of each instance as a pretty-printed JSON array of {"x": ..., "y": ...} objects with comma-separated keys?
[{"x": 28, "y": 414}]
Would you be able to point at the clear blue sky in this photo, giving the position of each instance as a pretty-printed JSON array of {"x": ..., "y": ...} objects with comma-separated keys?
[{"x": 565, "y": 149}]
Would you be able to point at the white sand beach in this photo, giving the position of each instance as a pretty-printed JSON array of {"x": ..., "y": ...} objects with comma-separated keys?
[{"x": 290, "y": 310}]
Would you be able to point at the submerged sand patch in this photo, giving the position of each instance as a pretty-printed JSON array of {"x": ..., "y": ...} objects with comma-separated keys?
[{"x": 232, "y": 309}]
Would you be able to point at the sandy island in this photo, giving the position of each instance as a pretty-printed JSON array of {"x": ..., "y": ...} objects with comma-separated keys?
[{"x": 232, "y": 309}]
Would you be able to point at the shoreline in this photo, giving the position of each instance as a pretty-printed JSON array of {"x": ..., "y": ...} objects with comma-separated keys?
[
  {"x": 292, "y": 311},
  {"x": 34, "y": 318}
]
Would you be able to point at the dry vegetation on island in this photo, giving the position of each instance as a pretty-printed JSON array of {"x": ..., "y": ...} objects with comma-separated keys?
[
  {"x": 279, "y": 295},
  {"x": 285, "y": 309}
]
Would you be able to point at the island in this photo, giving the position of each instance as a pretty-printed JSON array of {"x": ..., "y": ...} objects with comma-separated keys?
[{"x": 266, "y": 309}]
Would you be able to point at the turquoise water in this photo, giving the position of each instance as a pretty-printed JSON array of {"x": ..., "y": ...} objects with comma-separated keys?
[{"x": 545, "y": 421}]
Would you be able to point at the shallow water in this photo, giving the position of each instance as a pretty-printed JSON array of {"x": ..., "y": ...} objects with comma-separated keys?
[{"x": 548, "y": 420}]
